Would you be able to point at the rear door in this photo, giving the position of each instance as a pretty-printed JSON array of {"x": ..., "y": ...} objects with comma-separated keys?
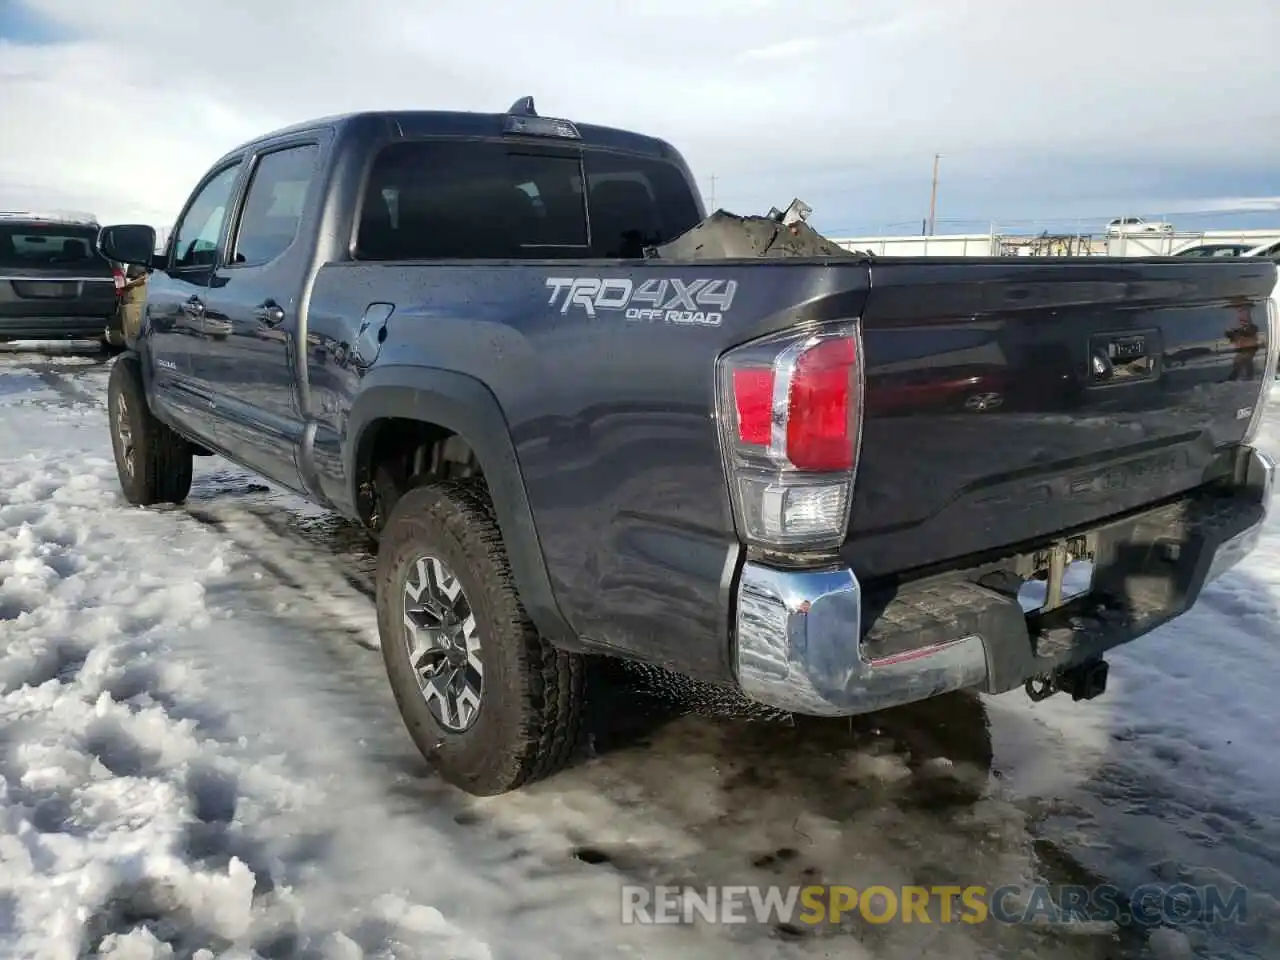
[
  {"x": 1009, "y": 401},
  {"x": 246, "y": 364},
  {"x": 176, "y": 299},
  {"x": 53, "y": 281}
]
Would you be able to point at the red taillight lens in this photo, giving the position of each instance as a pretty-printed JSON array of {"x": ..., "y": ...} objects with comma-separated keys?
[
  {"x": 118, "y": 276},
  {"x": 820, "y": 411},
  {"x": 753, "y": 398},
  {"x": 820, "y": 422},
  {"x": 791, "y": 467}
]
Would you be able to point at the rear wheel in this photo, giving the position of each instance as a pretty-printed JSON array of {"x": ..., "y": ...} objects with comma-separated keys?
[
  {"x": 488, "y": 702},
  {"x": 153, "y": 463},
  {"x": 112, "y": 340}
]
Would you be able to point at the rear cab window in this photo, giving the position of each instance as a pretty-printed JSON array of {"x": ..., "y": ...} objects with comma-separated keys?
[
  {"x": 274, "y": 203},
  {"x": 490, "y": 200},
  {"x": 36, "y": 246}
]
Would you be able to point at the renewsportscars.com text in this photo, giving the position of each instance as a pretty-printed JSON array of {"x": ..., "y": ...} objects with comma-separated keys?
[{"x": 1148, "y": 905}]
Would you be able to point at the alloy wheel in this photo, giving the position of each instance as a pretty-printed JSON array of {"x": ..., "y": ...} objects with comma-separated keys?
[
  {"x": 442, "y": 642},
  {"x": 124, "y": 433}
]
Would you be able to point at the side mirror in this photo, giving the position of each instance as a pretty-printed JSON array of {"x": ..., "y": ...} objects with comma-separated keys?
[{"x": 132, "y": 243}]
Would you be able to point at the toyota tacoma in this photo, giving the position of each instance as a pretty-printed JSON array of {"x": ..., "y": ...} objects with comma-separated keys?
[{"x": 582, "y": 418}]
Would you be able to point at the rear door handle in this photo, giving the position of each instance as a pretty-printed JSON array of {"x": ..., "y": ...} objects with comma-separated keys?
[{"x": 270, "y": 313}]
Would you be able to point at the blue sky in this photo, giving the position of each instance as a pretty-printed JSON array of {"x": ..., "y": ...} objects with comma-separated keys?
[
  {"x": 20, "y": 23},
  {"x": 1047, "y": 192},
  {"x": 1060, "y": 195},
  {"x": 1041, "y": 122}
]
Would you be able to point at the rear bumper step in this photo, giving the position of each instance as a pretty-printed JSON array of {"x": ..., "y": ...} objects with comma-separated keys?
[{"x": 812, "y": 642}]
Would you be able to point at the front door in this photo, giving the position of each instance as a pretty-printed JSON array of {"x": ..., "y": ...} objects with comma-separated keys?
[
  {"x": 176, "y": 303},
  {"x": 251, "y": 315}
]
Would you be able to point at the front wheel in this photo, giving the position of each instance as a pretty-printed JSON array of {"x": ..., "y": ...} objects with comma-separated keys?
[
  {"x": 488, "y": 702},
  {"x": 153, "y": 463}
]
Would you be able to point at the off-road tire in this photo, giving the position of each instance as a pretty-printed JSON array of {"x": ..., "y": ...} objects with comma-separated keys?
[
  {"x": 531, "y": 705},
  {"x": 162, "y": 460}
]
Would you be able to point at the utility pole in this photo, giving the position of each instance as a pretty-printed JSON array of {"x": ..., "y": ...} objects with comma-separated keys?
[
  {"x": 713, "y": 193},
  {"x": 933, "y": 194}
]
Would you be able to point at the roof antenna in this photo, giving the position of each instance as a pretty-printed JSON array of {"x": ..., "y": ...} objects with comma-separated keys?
[{"x": 523, "y": 107}]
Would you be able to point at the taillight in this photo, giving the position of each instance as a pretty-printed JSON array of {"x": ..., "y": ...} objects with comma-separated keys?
[
  {"x": 820, "y": 404},
  {"x": 790, "y": 415},
  {"x": 1270, "y": 366},
  {"x": 118, "y": 276}
]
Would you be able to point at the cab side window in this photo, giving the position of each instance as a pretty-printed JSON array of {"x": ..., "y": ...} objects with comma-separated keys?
[
  {"x": 273, "y": 206},
  {"x": 477, "y": 200},
  {"x": 433, "y": 200},
  {"x": 196, "y": 243}
]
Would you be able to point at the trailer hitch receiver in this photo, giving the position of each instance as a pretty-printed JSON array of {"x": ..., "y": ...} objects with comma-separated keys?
[{"x": 1084, "y": 681}]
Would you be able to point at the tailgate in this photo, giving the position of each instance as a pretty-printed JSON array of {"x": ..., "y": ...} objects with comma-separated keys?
[
  {"x": 53, "y": 271},
  {"x": 1010, "y": 400}
]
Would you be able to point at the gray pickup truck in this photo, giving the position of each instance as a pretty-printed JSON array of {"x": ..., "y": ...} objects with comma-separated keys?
[{"x": 583, "y": 418}]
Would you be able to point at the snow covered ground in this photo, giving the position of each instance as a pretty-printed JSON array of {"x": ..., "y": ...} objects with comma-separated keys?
[{"x": 199, "y": 757}]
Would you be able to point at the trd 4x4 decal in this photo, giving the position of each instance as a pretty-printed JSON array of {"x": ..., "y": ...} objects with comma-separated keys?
[{"x": 685, "y": 302}]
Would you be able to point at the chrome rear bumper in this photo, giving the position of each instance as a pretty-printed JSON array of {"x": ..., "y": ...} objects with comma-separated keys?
[{"x": 797, "y": 645}]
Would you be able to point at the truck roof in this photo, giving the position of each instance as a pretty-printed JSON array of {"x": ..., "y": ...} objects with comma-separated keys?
[{"x": 421, "y": 123}]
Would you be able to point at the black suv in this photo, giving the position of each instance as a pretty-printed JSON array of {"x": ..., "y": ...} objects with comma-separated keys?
[{"x": 54, "y": 284}]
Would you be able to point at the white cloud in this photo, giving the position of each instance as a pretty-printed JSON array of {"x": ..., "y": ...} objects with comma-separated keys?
[
  {"x": 785, "y": 49},
  {"x": 1226, "y": 204},
  {"x": 125, "y": 118}
]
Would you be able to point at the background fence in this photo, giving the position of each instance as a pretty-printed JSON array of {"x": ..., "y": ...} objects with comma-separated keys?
[{"x": 995, "y": 244}]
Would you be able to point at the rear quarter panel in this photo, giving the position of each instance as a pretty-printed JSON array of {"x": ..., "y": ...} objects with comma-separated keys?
[{"x": 613, "y": 419}]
